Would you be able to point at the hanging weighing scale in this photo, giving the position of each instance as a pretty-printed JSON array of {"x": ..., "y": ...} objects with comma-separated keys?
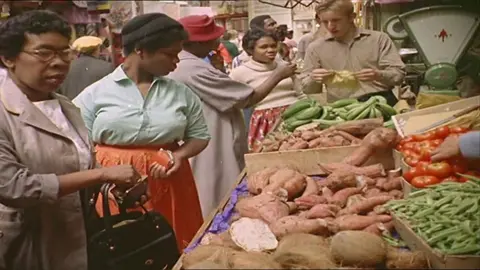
[{"x": 441, "y": 35}]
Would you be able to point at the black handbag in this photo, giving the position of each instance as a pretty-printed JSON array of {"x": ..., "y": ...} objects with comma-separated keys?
[{"x": 131, "y": 240}]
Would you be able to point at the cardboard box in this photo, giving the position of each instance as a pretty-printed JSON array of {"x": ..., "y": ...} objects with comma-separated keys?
[
  {"x": 408, "y": 123},
  {"x": 307, "y": 160},
  {"x": 437, "y": 260}
]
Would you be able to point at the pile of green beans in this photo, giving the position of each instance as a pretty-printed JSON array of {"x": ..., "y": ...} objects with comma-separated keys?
[{"x": 446, "y": 216}]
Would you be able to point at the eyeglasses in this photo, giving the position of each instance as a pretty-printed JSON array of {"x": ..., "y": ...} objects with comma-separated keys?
[{"x": 47, "y": 55}]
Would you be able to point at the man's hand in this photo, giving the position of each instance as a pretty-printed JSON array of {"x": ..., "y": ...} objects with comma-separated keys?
[
  {"x": 367, "y": 75},
  {"x": 319, "y": 75},
  {"x": 448, "y": 149}
]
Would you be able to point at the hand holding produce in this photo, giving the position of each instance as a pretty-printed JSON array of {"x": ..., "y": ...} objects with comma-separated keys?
[
  {"x": 342, "y": 79},
  {"x": 320, "y": 74},
  {"x": 286, "y": 71},
  {"x": 367, "y": 75}
]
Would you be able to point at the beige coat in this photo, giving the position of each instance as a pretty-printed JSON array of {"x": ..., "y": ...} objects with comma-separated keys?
[
  {"x": 38, "y": 230},
  {"x": 217, "y": 167}
]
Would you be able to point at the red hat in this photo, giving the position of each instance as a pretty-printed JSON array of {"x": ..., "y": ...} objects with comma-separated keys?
[{"x": 201, "y": 28}]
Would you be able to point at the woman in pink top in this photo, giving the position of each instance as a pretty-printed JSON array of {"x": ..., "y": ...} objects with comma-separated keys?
[{"x": 263, "y": 47}]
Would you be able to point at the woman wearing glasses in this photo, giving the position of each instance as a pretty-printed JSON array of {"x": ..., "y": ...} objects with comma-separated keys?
[{"x": 46, "y": 160}]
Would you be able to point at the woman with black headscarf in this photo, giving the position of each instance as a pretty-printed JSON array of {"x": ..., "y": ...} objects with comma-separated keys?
[{"x": 136, "y": 111}]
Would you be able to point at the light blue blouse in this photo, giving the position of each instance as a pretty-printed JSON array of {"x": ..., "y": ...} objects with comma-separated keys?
[{"x": 116, "y": 113}]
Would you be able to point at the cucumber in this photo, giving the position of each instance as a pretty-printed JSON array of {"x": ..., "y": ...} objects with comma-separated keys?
[
  {"x": 343, "y": 102},
  {"x": 342, "y": 115},
  {"x": 385, "y": 114},
  {"x": 371, "y": 113},
  {"x": 353, "y": 114},
  {"x": 323, "y": 124},
  {"x": 353, "y": 106},
  {"x": 381, "y": 99},
  {"x": 328, "y": 113},
  {"x": 364, "y": 114},
  {"x": 389, "y": 124},
  {"x": 389, "y": 109},
  {"x": 293, "y": 125},
  {"x": 309, "y": 113},
  {"x": 378, "y": 113},
  {"x": 296, "y": 107}
]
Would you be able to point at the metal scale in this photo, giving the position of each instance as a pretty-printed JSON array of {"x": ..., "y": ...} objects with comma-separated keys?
[{"x": 441, "y": 36}]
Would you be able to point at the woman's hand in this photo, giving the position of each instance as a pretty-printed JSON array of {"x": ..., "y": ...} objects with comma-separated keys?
[
  {"x": 160, "y": 171},
  {"x": 124, "y": 176},
  {"x": 286, "y": 71}
]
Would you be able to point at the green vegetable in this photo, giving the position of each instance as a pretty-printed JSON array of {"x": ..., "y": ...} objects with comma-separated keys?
[
  {"x": 323, "y": 123},
  {"x": 381, "y": 99},
  {"x": 353, "y": 106},
  {"x": 294, "y": 124},
  {"x": 343, "y": 102},
  {"x": 297, "y": 107},
  {"x": 309, "y": 113}
]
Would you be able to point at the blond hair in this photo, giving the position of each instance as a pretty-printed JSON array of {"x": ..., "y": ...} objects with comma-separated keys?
[{"x": 344, "y": 6}]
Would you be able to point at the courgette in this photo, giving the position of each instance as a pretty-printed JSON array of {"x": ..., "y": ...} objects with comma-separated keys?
[
  {"x": 343, "y": 102},
  {"x": 309, "y": 113},
  {"x": 296, "y": 107},
  {"x": 293, "y": 125},
  {"x": 364, "y": 114},
  {"x": 323, "y": 124},
  {"x": 381, "y": 99},
  {"x": 353, "y": 106},
  {"x": 353, "y": 114}
]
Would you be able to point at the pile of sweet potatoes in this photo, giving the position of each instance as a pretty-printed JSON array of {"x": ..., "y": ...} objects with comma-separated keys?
[
  {"x": 350, "y": 198},
  {"x": 307, "y": 139}
]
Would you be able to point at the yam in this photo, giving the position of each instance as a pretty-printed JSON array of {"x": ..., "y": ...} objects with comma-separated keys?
[
  {"x": 352, "y": 200},
  {"x": 372, "y": 192},
  {"x": 365, "y": 206},
  {"x": 253, "y": 260},
  {"x": 257, "y": 181},
  {"x": 253, "y": 235},
  {"x": 222, "y": 239},
  {"x": 295, "y": 224},
  {"x": 340, "y": 179},
  {"x": 265, "y": 206},
  {"x": 393, "y": 184},
  {"x": 311, "y": 187},
  {"x": 297, "y": 239},
  {"x": 375, "y": 170},
  {"x": 322, "y": 211},
  {"x": 216, "y": 254},
  {"x": 340, "y": 197},
  {"x": 355, "y": 222},
  {"x": 308, "y": 135},
  {"x": 359, "y": 128},
  {"x": 405, "y": 259},
  {"x": 307, "y": 202},
  {"x": 358, "y": 249},
  {"x": 294, "y": 186}
]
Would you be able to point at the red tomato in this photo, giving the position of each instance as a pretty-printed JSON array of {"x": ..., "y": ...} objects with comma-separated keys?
[
  {"x": 426, "y": 153},
  {"x": 410, "y": 174},
  {"x": 440, "y": 170},
  {"x": 458, "y": 130},
  {"x": 424, "y": 136},
  {"x": 422, "y": 145},
  {"x": 421, "y": 168},
  {"x": 462, "y": 179},
  {"x": 458, "y": 166},
  {"x": 410, "y": 153},
  {"x": 410, "y": 146},
  {"x": 405, "y": 140},
  {"x": 423, "y": 181},
  {"x": 399, "y": 147},
  {"x": 411, "y": 161},
  {"x": 451, "y": 179},
  {"x": 437, "y": 142},
  {"x": 442, "y": 132}
]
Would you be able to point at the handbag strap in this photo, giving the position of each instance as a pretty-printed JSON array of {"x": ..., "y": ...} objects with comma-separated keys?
[{"x": 106, "y": 207}]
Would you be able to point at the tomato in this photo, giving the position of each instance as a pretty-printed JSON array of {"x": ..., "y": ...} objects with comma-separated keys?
[
  {"x": 407, "y": 139},
  {"x": 422, "y": 145},
  {"x": 442, "y": 132},
  {"x": 439, "y": 169},
  {"x": 458, "y": 130},
  {"x": 421, "y": 168},
  {"x": 471, "y": 173},
  {"x": 426, "y": 153},
  {"x": 410, "y": 153},
  {"x": 437, "y": 142},
  {"x": 410, "y": 174},
  {"x": 451, "y": 178},
  {"x": 424, "y": 136},
  {"x": 458, "y": 165},
  {"x": 411, "y": 161},
  {"x": 423, "y": 181},
  {"x": 410, "y": 146},
  {"x": 462, "y": 179},
  {"x": 399, "y": 147}
]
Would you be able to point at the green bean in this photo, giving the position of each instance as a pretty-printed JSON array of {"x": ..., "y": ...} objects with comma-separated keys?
[
  {"x": 464, "y": 206},
  {"x": 443, "y": 201},
  {"x": 418, "y": 193},
  {"x": 424, "y": 212},
  {"x": 434, "y": 229},
  {"x": 442, "y": 235},
  {"x": 473, "y": 248},
  {"x": 473, "y": 209}
]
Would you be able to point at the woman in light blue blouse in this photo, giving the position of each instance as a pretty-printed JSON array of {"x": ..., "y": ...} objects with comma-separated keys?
[{"x": 135, "y": 111}]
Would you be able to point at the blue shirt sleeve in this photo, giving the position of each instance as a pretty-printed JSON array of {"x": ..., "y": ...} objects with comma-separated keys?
[{"x": 470, "y": 144}]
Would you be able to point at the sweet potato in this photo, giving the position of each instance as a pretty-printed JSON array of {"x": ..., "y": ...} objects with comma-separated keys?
[
  {"x": 295, "y": 186},
  {"x": 279, "y": 178},
  {"x": 375, "y": 170},
  {"x": 299, "y": 145},
  {"x": 365, "y": 206},
  {"x": 307, "y": 202},
  {"x": 308, "y": 135},
  {"x": 355, "y": 222},
  {"x": 374, "y": 228},
  {"x": 359, "y": 128},
  {"x": 295, "y": 224},
  {"x": 355, "y": 199},
  {"x": 377, "y": 140},
  {"x": 372, "y": 192},
  {"x": 397, "y": 194},
  {"x": 340, "y": 179},
  {"x": 257, "y": 181},
  {"x": 348, "y": 136},
  {"x": 315, "y": 142},
  {"x": 380, "y": 209},
  {"x": 363, "y": 180},
  {"x": 322, "y": 211},
  {"x": 265, "y": 206},
  {"x": 311, "y": 188},
  {"x": 393, "y": 184},
  {"x": 340, "y": 197},
  {"x": 284, "y": 146},
  {"x": 270, "y": 148},
  {"x": 380, "y": 182}
]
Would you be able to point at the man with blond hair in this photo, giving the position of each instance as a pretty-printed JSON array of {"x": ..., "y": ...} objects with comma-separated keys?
[{"x": 370, "y": 55}]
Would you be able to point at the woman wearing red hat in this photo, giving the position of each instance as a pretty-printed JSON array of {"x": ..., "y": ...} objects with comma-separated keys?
[
  {"x": 217, "y": 167},
  {"x": 135, "y": 111}
]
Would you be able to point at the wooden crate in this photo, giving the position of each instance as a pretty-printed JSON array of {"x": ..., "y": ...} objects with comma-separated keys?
[
  {"x": 307, "y": 160},
  {"x": 208, "y": 221},
  {"x": 437, "y": 260}
]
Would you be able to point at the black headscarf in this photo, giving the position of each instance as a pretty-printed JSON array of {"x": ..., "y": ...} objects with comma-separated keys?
[{"x": 146, "y": 25}]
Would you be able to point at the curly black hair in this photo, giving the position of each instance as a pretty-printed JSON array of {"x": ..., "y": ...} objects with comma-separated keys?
[
  {"x": 163, "y": 39},
  {"x": 12, "y": 31},
  {"x": 252, "y": 36}
]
